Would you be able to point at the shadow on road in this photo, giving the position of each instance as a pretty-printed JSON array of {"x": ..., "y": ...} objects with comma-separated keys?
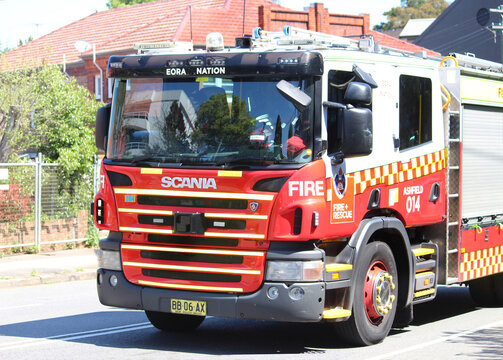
[
  {"x": 227, "y": 337},
  {"x": 215, "y": 336},
  {"x": 486, "y": 344},
  {"x": 449, "y": 302}
]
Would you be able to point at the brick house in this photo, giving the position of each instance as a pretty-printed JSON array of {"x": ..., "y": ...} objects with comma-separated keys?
[{"x": 114, "y": 32}]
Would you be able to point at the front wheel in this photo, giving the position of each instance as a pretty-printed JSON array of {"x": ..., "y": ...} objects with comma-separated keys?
[
  {"x": 375, "y": 296},
  {"x": 173, "y": 322}
]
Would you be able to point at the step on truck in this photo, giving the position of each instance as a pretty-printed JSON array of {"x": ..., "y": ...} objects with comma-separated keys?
[{"x": 298, "y": 177}]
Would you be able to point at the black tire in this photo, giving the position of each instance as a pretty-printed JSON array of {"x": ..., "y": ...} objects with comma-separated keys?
[
  {"x": 487, "y": 291},
  {"x": 173, "y": 322},
  {"x": 367, "y": 326},
  {"x": 498, "y": 288}
]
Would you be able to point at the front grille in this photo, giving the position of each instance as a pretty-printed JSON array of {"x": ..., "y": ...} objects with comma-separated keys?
[
  {"x": 210, "y": 269},
  {"x": 201, "y": 258},
  {"x": 194, "y": 240},
  {"x": 193, "y": 202},
  {"x": 225, "y": 224},
  {"x": 191, "y": 276},
  {"x": 155, "y": 220},
  {"x": 191, "y": 240}
]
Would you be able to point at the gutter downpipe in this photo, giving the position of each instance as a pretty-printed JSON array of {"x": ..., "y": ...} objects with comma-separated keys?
[{"x": 101, "y": 72}]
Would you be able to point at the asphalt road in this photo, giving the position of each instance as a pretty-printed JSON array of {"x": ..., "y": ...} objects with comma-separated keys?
[{"x": 66, "y": 321}]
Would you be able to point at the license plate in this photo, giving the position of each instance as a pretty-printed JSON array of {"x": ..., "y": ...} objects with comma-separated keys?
[{"x": 189, "y": 307}]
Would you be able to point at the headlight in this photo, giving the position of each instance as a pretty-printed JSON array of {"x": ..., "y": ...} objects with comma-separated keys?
[
  {"x": 294, "y": 270},
  {"x": 110, "y": 260}
]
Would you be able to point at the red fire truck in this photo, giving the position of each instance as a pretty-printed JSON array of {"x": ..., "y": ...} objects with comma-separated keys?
[{"x": 299, "y": 177}]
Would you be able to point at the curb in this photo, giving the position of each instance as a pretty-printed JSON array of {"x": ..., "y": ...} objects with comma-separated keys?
[{"x": 48, "y": 279}]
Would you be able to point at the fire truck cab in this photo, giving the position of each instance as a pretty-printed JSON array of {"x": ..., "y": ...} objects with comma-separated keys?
[{"x": 297, "y": 177}]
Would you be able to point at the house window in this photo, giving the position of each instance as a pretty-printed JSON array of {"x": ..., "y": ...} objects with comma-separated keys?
[
  {"x": 415, "y": 111},
  {"x": 97, "y": 87},
  {"x": 110, "y": 87}
]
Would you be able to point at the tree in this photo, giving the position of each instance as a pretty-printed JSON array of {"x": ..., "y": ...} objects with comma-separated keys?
[
  {"x": 411, "y": 9},
  {"x": 222, "y": 126},
  {"x": 112, "y": 4},
  {"x": 3, "y": 50},
  {"x": 42, "y": 110},
  {"x": 22, "y": 42}
]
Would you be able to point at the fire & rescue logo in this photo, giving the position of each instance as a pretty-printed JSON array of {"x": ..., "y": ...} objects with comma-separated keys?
[{"x": 340, "y": 184}]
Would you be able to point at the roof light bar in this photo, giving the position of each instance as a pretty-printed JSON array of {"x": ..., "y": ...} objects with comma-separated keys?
[{"x": 163, "y": 46}]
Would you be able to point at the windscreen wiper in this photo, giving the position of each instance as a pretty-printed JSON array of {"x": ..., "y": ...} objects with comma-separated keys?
[
  {"x": 144, "y": 158},
  {"x": 169, "y": 159},
  {"x": 248, "y": 160}
]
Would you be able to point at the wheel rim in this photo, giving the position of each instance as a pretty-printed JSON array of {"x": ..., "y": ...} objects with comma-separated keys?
[{"x": 378, "y": 292}]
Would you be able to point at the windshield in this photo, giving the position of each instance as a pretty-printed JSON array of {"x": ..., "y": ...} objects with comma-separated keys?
[{"x": 209, "y": 121}]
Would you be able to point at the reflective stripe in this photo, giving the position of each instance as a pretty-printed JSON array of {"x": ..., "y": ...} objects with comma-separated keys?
[
  {"x": 338, "y": 267},
  {"x": 422, "y": 251},
  {"x": 192, "y": 268},
  {"x": 151, "y": 171},
  {"x": 236, "y": 216},
  {"x": 189, "y": 287},
  {"x": 476, "y": 264},
  {"x": 145, "y": 230},
  {"x": 195, "y": 194},
  {"x": 145, "y": 211},
  {"x": 194, "y": 251},
  {"x": 394, "y": 173},
  {"x": 230, "y": 173},
  {"x": 234, "y": 235},
  {"x": 207, "y": 234},
  {"x": 336, "y": 313},
  {"x": 424, "y": 293}
]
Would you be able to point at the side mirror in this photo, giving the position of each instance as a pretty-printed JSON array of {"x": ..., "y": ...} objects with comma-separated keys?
[
  {"x": 102, "y": 123},
  {"x": 357, "y": 132},
  {"x": 293, "y": 94},
  {"x": 358, "y": 94}
]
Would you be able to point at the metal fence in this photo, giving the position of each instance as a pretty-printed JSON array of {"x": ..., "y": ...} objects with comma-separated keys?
[{"x": 40, "y": 206}]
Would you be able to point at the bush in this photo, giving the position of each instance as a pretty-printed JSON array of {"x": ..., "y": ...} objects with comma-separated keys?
[{"x": 16, "y": 204}]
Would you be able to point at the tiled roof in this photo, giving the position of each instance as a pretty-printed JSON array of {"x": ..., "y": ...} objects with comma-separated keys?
[
  {"x": 390, "y": 41},
  {"x": 116, "y": 30}
]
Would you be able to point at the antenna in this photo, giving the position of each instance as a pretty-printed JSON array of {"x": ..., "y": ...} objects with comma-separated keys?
[
  {"x": 190, "y": 15},
  {"x": 82, "y": 46},
  {"x": 244, "y": 14}
]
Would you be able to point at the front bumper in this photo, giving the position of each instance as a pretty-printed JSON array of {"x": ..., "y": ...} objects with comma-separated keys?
[{"x": 256, "y": 305}]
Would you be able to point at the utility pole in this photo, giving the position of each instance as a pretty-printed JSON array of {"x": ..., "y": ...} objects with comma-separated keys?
[{"x": 499, "y": 26}]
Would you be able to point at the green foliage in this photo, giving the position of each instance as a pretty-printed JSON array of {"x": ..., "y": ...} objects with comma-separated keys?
[
  {"x": 218, "y": 123},
  {"x": 93, "y": 238},
  {"x": 17, "y": 103},
  {"x": 112, "y": 4},
  {"x": 42, "y": 110},
  {"x": 411, "y": 9},
  {"x": 23, "y": 42},
  {"x": 30, "y": 250},
  {"x": 3, "y": 50},
  {"x": 15, "y": 204}
]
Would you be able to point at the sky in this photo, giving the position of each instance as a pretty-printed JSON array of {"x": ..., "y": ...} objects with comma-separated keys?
[{"x": 20, "y": 19}]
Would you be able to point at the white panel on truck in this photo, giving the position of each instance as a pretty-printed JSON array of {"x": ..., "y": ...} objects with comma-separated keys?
[{"x": 482, "y": 161}]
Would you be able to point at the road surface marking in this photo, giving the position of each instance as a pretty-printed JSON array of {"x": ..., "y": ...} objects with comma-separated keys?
[
  {"x": 75, "y": 336},
  {"x": 18, "y": 307},
  {"x": 436, "y": 341}
]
